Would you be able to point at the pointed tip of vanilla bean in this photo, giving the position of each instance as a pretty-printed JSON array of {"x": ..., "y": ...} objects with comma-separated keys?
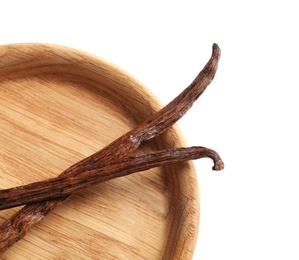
[
  {"x": 218, "y": 166},
  {"x": 215, "y": 46},
  {"x": 216, "y": 52}
]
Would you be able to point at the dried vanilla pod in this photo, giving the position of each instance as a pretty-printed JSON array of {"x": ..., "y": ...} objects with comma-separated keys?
[{"x": 113, "y": 156}]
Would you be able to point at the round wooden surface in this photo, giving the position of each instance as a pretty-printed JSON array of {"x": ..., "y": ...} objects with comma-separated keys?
[{"x": 59, "y": 105}]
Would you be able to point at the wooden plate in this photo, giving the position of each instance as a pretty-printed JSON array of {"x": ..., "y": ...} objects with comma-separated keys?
[{"x": 59, "y": 105}]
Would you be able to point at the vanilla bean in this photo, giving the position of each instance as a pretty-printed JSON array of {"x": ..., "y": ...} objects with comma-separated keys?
[
  {"x": 19, "y": 223},
  {"x": 160, "y": 121},
  {"x": 17, "y": 226},
  {"x": 92, "y": 175}
]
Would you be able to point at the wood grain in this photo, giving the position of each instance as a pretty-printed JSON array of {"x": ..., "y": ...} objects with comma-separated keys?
[{"x": 59, "y": 105}]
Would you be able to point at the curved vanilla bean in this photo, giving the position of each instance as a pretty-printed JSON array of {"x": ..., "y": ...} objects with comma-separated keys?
[
  {"x": 120, "y": 148},
  {"x": 91, "y": 175},
  {"x": 160, "y": 121}
]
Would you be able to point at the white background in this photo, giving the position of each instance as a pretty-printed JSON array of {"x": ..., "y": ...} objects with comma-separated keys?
[{"x": 249, "y": 113}]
